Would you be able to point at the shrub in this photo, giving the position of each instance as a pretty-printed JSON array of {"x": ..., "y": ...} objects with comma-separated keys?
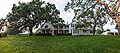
[
  {"x": 3, "y": 35},
  {"x": 12, "y": 31},
  {"x": 43, "y": 34},
  {"x": 64, "y": 34}
]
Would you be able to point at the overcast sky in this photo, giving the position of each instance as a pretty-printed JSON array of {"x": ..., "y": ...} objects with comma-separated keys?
[{"x": 6, "y": 5}]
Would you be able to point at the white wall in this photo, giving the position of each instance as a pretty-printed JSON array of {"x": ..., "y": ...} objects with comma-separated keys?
[
  {"x": 49, "y": 25},
  {"x": 70, "y": 29},
  {"x": 80, "y": 32},
  {"x": 85, "y": 33}
]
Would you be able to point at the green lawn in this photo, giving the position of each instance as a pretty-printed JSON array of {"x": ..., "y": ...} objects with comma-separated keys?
[{"x": 60, "y": 44}]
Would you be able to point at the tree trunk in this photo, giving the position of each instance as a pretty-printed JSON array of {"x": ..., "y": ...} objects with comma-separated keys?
[
  {"x": 94, "y": 29},
  {"x": 30, "y": 29},
  {"x": 118, "y": 31}
]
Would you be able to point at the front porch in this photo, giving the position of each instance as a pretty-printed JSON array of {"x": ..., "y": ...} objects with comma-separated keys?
[{"x": 54, "y": 32}]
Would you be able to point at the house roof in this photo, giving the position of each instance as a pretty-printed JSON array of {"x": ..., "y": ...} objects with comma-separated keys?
[
  {"x": 54, "y": 24},
  {"x": 45, "y": 28}
]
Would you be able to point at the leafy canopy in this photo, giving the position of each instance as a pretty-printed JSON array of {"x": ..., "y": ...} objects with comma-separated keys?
[
  {"x": 88, "y": 13},
  {"x": 26, "y": 16}
]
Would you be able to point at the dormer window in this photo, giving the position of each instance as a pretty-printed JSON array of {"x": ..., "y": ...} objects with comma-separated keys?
[
  {"x": 118, "y": 13},
  {"x": 2, "y": 29},
  {"x": 84, "y": 30},
  {"x": 46, "y": 26}
]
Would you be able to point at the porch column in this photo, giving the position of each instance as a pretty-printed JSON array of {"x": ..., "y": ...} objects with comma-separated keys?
[
  {"x": 53, "y": 32},
  {"x": 114, "y": 33}
]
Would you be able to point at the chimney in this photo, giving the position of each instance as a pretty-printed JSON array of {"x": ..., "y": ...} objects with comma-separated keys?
[{"x": 67, "y": 22}]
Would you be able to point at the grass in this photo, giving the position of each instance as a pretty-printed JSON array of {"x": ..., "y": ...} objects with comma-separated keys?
[{"x": 60, "y": 44}]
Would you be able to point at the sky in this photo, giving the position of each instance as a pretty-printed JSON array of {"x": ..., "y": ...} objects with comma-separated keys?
[{"x": 6, "y": 6}]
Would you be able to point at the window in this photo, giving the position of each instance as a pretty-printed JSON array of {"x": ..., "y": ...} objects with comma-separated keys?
[
  {"x": 60, "y": 27},
  {"x": 118, "y": 13},
  {"x": 75, "y": 31},
  {"x": 116, "y": 33},
  {"x": 72, "y": 25},
  {"x": 67, "y": 26},
  {"x": 84, "y": 30},
  {"x": 66, "y": 31},
  {"x": 2, "y": 29},
  {"x": 46, "y": 26},
  {"x": 60, "y": 31},
  {"x": 91, "y": 31}
]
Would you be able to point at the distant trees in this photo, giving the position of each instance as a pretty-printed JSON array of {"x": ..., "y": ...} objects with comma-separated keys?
[
  {"x": 31, "y": 14},
  {"x": 88, "y": 13},
  {"x": 2, "y": 21},
  {"x": 3, "y": 27}
]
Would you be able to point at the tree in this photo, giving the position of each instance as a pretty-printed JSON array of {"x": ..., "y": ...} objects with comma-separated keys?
[
  {"x": 112, "y": 9},
  {"x": 31, "y": 14},
  {"x": 51, "y": 14},
  {"x": 88, "y": 13},
  {"x": 25, "y": 15},
  {"x": 2, "y": 21}
]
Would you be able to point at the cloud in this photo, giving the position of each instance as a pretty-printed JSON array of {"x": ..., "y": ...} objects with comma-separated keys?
[
  {"x": 60, "y": 4},
  {"x": 67, "y": 16},
  {"x": 6, "y": 6}
]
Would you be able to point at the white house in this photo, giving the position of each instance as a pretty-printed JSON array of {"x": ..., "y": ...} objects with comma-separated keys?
[
  {"x": 109, "y": 33},
  {"x": 79, "y": 31},
  {"x": 54, "y": 29}
]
